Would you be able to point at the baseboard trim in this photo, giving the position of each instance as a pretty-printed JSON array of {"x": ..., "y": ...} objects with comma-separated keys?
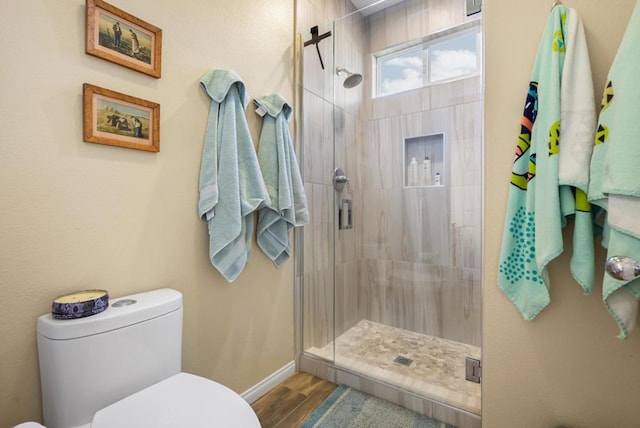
[{"x": 268, "y": 383}]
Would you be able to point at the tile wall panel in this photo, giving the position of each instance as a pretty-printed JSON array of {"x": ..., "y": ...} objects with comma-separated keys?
[
  {"x": 318, "y": 308},
  {"x": 446, "y": 13},
  {"x": 413, "y": 19},
  {"x": 417, "y": 219},
  {"x": 380, "y": 149},
  {"x": 346, "y": 296},
  {"x": 346, "y": 156},
  {"x": 318, "y": 139},
  {"x": 411, "y": 230}
]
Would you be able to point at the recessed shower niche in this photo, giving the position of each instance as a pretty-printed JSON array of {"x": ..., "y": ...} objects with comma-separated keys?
[{"x": 424, "y": 161}]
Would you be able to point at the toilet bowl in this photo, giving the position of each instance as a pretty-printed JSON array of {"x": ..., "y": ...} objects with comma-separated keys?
[
  {"x": 185, "y": 400},
  {"x": 121, "y": 368}
]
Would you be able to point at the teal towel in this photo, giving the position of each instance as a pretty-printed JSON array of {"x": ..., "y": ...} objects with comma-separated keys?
[
  {"x": 288, "y": 204},
  {"x": 577, "y": 130},
  {"x": 546, "y": 191},
  {"x": 231, "y": 185},
  {"x": 615, "y": 182}
]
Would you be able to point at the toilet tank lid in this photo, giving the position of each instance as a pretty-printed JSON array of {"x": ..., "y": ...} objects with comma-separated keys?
[{"x": 122, "y": 312}]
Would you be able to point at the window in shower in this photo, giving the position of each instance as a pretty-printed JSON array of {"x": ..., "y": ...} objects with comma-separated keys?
[
  {"x": 440, "y": 57},
  {"x": 400, "y": 71}
]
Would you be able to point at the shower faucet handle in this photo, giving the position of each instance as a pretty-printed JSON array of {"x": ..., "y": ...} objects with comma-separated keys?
[{"x": 339, "y": 179}]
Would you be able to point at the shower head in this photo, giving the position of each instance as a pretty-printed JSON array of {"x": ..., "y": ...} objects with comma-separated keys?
[{"x": 352, "y": 80}]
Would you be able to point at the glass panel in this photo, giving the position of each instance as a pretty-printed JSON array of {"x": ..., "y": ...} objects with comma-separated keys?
[
  {"x": 400, "y": 71},
  {"x": 455, "y": 57},
  {"x": 388, "y": 296},
  {"x": 317, "y": 279}
]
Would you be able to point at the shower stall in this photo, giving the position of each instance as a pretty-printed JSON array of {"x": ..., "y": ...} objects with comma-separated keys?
[{"x": 388, "y": 271}]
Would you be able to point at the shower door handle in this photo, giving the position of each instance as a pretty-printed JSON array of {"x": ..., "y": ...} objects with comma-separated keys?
[{"x": 345, "y": 214}]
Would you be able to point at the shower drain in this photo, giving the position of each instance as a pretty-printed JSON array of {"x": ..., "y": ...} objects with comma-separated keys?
[{"x": 403, "y": 360}]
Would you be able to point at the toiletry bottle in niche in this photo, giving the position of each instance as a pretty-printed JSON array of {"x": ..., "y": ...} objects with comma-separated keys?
[
  {"x": 437, "y": 179},
  {"x": 425, "y": 172},
  {"x": 412, "y": 173}
]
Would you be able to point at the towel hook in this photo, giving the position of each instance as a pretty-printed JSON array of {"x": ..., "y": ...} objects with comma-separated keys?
[
  {"x": 556, "y": 3},
  {"x": 623, "y": 268}
]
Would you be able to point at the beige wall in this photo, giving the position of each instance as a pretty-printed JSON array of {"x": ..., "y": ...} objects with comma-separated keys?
[
  {"x": 565, "y": 367},
  {"x": 76, "y": 215}
]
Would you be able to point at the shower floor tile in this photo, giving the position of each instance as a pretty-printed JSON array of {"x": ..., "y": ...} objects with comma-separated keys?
[{"x": 437, "y": 369}]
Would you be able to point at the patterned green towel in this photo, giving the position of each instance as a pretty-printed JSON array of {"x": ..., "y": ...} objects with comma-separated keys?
[
  {"x": 615, "y": 182},
  {"x": 546, "y": 190}
]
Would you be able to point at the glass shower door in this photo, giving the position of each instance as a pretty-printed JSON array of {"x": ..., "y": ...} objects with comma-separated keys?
[
  {"x": 391, "y": 266},
  {"x": 406, "y": 283},
  {"x": 317, "y": 262}
]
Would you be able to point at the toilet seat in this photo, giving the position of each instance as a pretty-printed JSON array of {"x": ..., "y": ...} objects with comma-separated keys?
[{"x": 183, "y": 400}]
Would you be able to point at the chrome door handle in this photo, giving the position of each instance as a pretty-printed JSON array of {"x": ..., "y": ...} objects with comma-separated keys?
[{"x": 622, "y": 268}]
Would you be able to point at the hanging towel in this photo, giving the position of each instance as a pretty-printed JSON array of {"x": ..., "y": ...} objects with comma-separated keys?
[
  {"x": 577, "y": 129},
  {"x": 545, "y": 190},
  {"x": 231, "y": 185},
  {"x": 288, "y": 204},
  {"x": 615, "y": 182}
]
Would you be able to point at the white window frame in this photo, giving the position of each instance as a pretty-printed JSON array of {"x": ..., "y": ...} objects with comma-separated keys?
[{"x": 425, "y": 43}]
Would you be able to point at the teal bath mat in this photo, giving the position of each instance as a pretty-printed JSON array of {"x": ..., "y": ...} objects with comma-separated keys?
[{"x": 348, "y": 408}]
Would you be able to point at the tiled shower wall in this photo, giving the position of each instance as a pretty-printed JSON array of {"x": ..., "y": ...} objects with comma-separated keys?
[
  {"x": 421, "y": 246},
  {"x": 421, "y": 255},
  {"x": 412, "y": 259}
]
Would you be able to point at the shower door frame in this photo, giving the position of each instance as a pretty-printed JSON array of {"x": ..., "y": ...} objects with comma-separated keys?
[{"x": 327, "y": 368}]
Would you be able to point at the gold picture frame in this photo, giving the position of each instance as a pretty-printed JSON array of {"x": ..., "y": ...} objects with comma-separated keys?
[
  {"x": 117, "y": 119},
  {"x": 119, "y": 37}
]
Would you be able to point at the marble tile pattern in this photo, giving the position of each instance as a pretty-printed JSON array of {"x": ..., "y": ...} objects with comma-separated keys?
[{"x": 437, "y": 369}]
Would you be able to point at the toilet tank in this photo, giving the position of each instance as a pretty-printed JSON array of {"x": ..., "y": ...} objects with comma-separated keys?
[{"x": 89, "y": 363}]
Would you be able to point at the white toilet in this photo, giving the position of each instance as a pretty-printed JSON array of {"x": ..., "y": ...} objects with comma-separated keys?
[{"x": 122, "y": 368}]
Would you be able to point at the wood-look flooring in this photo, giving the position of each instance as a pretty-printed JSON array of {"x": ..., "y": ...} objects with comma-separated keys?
[{"x": 290, "y": 403}]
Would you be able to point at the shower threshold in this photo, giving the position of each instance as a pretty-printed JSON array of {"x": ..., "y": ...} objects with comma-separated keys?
[{"x": 425, "y": 365}]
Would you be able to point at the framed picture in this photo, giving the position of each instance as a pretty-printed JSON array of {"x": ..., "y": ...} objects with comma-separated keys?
[
  {"x": 121, "y": 120},
  {"x": 116, "y": 36}
]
